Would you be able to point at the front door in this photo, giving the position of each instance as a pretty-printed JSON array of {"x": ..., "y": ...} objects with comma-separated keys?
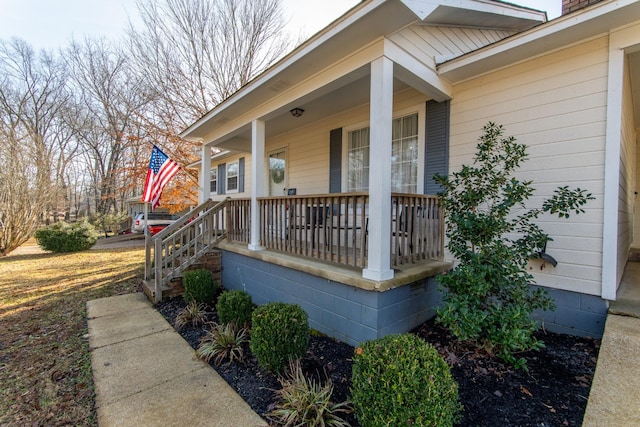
[{"x": 278, "y": 173}]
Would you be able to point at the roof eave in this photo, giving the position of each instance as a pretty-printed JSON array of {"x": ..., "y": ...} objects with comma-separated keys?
[{"x": 566, "y": 30}]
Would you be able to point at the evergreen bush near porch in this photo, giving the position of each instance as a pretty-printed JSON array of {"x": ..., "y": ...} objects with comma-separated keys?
[
  {"x": 199, "y": 286},
  {"x": 401, "y": 380},
  {"x": 487, "y": 296},
  {"x": 279, "y": 334},
  {"x": 235, "y": 306}
]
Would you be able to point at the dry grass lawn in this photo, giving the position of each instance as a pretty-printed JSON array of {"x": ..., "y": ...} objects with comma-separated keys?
[{"x": 45, "y": 370}]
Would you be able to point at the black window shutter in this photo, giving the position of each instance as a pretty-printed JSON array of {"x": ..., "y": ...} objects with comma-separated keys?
[
  {"x": 241, "y": 175},
  {"x": 335, "y": 161},
  {"x": 436, "y": 153},
  {"x": 222, "y": 178}
]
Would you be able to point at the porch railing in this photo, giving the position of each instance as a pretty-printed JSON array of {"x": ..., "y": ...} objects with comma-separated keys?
[
  {"x": 334, "y": 227},
  {"x": 417, "y": 228},
  {"x": 182, "y": 243},
  {"x": 329, "y": 227}
]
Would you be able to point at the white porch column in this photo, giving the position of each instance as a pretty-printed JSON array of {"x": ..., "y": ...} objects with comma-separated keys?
[
  {"x": 257, "y": 180},
  {"x": 381, "y": 115},
  {"x": 204, "y": 190}
]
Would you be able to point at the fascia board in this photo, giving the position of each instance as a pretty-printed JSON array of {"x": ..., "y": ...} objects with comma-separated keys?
[{"x": 563, "y": 31}]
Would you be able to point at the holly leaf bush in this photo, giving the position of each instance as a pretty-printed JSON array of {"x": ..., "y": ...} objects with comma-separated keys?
[{"x": 488, "y": 298}]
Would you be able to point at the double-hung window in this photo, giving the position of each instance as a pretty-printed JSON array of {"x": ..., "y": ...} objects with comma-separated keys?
[
  {"x": 404, "y": 156},
  {"x": 213, "y": 186},
  {"x": 232, "y": 177},
  {"x": 358, "y": 160}
]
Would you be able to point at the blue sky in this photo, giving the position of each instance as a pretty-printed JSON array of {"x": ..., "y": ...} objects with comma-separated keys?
[{"x": 52, "y": 23}]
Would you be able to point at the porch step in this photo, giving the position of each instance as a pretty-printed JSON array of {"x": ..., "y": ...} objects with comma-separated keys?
[
  {"x": 634, "y": 254},
  {"x": 175, "y": 288}
]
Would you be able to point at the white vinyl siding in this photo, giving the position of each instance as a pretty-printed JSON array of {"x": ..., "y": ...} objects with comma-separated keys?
[
  {"x": 224, "y": 163},
  {"x": 443, "y": 43},
  {"x": 308, "y": 146},
  {"x": 556, "y": 106}
]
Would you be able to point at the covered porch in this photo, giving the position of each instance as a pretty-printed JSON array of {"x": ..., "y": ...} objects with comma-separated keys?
[
  {"x": 334, "y": 228},
  {"x": 313, "y": 252}
]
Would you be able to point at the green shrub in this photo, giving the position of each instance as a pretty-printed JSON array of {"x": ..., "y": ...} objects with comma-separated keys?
[
  {"x": 487, "y": 296},
  {"x": 235, "y": 306},
  {"x": 199, "y": 286},
  {"x": 401, "y": 380},
  {"x": 305, "y": 402},
  {"x": 279, "y": 333},
  {"x": 63, "y": 237},
  {"x": 223, "y": 342}
]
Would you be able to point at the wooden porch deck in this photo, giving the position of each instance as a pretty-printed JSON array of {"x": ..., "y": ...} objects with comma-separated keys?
[{"x": 404, "y": 274}]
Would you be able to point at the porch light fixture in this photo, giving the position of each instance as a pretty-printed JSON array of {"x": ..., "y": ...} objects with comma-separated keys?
[{"x": 296, "y": 112}]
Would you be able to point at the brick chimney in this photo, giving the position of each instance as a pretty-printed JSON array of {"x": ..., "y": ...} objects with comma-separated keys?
[{"x": 569, "y": 6}]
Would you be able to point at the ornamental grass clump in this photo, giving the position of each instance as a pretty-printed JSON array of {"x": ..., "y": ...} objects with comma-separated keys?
[
  {"x": 193, "y": 314},
  {"x": 279, "y": 333},
  {"x": 401, "y": 380},
  {"x": 235, "y": 306},
  {"x": 303, "y": 401},
  {"x": 63, "y": 237},
  {"x": 199, "y": 286},
  {"x": 488, "y": 298},
  {"x": 223, "y": 342}
]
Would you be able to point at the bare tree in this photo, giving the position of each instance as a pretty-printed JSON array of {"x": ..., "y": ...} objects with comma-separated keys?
[
  {"x": 195, "y": 53},
  {"x": 33, "y": 95},
  {"x": 111, "y": 97}
]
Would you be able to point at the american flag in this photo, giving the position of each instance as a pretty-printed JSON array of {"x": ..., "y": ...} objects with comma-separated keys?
[{"x": 161, "y": 170}]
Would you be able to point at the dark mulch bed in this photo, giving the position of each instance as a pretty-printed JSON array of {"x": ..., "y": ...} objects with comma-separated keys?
[{"x": 553, "y": 392}]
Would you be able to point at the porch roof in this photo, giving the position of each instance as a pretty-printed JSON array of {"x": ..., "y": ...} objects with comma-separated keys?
[
  {"x": 599, "y": 19},
  {"x": 337, "y": 58}
]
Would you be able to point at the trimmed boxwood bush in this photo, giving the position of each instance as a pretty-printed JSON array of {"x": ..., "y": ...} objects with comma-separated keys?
[
  {"x": 279, "y": 333},
  {"x": 199, "y": 286},
  {"x": 235, "y": 306},
  {"x": 63, "y": 237},
  {"x": 401, "y": 380}
]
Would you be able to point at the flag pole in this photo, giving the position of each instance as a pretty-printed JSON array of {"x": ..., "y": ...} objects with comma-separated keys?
[
  {"x": 146, "y": 217},
  {"x": 147, "y": 243}
]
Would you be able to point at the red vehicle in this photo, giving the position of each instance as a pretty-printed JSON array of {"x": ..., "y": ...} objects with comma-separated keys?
[
  {"x": 153, "y": 229},
  {"x": 156, "y": 219}
]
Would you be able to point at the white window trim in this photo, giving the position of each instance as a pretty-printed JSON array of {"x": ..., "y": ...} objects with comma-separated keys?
[
  {"x": 214, "y": 172},
  {"x": 345, "y": 151},
  {"x": 227, "y": 190},
  {"x": 421, "y": 109}
]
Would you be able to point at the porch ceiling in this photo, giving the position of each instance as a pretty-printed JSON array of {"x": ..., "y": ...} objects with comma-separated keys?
[{"x": 340, "y": 96}]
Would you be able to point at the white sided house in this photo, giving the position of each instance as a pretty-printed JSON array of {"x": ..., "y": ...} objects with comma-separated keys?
[{"x": 320, "y": 191}]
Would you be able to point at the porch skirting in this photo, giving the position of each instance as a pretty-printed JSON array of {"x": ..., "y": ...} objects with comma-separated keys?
[
  {"x": 575, "y": 314},
  {"x": 348, "y": 313},
  {"x": 344, "y": 306}
]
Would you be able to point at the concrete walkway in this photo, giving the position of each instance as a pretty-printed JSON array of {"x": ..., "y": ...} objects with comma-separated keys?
[
  {"x": 614, "y": 399},
  {"x": 145, "y": 374}
]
